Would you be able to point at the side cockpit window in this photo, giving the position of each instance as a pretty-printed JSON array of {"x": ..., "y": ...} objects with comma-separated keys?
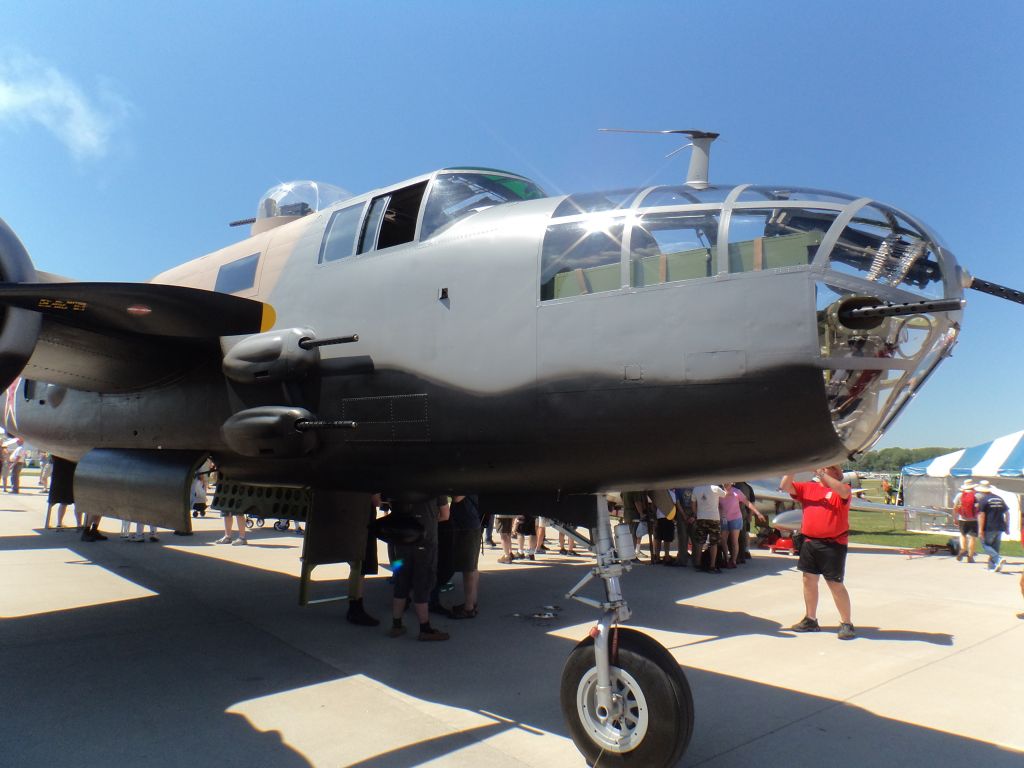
[
  {"x": 340, "y": 237},
  {"x": 238, "y": 275},
  {"x": 392, "y": 219}
]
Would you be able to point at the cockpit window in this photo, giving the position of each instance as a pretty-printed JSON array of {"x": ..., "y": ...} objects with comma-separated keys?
[
  {"x": 456, "y": 195},
  {"x": 340, "y": 237},
  {"x": 392, "y": 218}
]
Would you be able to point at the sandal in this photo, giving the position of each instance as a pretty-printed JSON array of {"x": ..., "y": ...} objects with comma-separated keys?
[{"x": 461, "y": 612}]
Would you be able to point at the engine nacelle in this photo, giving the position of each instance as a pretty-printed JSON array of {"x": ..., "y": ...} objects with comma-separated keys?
[
  {"x": 19, "y": 328},
  {"x": 144, "y": 486}
]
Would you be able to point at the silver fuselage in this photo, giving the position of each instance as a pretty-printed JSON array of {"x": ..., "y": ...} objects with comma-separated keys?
[{"x": 492, "y": 356}]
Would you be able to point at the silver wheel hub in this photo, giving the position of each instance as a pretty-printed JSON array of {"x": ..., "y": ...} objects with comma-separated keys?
[{"x": 621, "y": 729}]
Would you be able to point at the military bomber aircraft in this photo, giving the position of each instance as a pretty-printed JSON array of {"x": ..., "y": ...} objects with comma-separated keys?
[{"x": 463, "y": 331}]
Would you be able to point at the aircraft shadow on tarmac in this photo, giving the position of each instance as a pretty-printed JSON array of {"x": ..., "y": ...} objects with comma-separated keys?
[{"x": 150, "y": 681}]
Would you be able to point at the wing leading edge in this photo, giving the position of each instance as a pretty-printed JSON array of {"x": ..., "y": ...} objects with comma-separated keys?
[
  {"x": 119, "y": 337},
  {"x": 150, "y": 309}
]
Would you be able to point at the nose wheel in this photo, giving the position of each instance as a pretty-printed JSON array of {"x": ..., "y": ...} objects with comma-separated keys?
[{"x": 650, "y": 720}]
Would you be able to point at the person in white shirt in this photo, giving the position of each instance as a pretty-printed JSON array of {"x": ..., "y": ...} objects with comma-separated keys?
[
  {"x": 709, "y": 527},
  {"x": 17, "y": 463}
]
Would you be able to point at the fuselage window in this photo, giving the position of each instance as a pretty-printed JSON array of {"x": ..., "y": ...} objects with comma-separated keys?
[
  {"x": 238, "y": 275},
  {"x": 581, "y": 257},
  {"x": 665, "y": 247},
  {"x": 340, "y": 238},
  {"x": 391, "y": 219}
]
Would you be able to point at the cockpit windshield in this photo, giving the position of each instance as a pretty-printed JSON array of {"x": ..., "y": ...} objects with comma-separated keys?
[{"x": 458, "y": 194}]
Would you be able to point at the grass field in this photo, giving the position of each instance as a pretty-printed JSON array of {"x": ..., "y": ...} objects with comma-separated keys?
[{"x": 888, "y": 529}]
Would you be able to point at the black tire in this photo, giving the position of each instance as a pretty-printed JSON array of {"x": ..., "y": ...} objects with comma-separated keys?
[
  {"x": 660, "y": 725},
  {"x": 281, "y": 525},
  {"x": 248, "y": 522}
]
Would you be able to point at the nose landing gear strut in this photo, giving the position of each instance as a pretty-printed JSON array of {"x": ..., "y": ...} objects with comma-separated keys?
[{"x": 624, "y": 697}]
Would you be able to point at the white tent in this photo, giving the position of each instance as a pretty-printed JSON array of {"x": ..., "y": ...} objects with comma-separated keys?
[{"x": 934, "y": 483}]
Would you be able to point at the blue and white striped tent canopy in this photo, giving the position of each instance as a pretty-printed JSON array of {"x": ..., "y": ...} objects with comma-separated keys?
[{"x": 1002, "y": 457}]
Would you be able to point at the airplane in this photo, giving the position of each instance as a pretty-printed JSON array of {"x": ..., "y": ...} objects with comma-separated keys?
[
  {"x": 789, "y": 518},
  {"x": 463, "y": 331}
]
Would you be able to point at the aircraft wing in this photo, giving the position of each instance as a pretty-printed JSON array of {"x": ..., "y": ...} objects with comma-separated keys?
[
  {"x": 768, "y": 490},
  {"x": 149, "y": 309},
  {"x": 117, "y": 337}
]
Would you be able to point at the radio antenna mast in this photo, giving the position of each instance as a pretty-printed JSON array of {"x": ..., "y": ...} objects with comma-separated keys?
[{"x": 697, "y": 173}]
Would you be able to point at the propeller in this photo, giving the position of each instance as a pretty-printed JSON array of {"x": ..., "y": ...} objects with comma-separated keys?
[{"x": 142, "y": 308}]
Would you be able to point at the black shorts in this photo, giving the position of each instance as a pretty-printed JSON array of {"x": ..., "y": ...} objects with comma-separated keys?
[
  {"x": 969, "y": 527},
  {"x": 665, "y": 529},
  {"x": 466, "y": 550},
  {"x": 527, "y": 525},
  {"x": 416, "y": 572},
  {"x": 823, "y": 557}
]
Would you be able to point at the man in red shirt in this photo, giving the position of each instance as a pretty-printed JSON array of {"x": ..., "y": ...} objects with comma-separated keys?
[{"x": 826, "y": 523}]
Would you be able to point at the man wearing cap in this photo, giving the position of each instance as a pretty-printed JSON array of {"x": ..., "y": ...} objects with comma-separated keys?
[
  {"x": 993, "y": 522},
  {"x": 966, "y": 509},
  {"x": 826, "y": 523}
]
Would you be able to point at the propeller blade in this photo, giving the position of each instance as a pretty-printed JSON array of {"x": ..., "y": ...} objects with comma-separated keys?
[
  {"x": 143, "y": 308},
  {"x": 994, "y": 289}
]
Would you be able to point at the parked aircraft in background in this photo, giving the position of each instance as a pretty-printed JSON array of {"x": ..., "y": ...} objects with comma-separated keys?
[{"x": 462, "y": 331}]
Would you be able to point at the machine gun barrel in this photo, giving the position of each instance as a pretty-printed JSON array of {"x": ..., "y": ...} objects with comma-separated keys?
[
  {"x": 307, "y": 343},
  {"x": 994, "y": 289},
  {"x": 847, "y": 314}
]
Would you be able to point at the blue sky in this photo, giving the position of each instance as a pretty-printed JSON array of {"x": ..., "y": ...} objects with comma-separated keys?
[{"x": 131, "y": 133}]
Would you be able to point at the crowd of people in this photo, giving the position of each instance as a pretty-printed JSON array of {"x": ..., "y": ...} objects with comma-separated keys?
[
  {"x": 983, "y": 519},
  {"x": 708, "y": 526}
]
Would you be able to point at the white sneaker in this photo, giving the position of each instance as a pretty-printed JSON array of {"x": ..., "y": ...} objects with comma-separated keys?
[
  {"x": 999, "y": 564},
  {"x": 239, "y": 543},
  {"x": 224, "y": 540}
]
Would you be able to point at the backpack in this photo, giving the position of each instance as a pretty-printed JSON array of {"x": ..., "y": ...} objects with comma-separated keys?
[{"x": 966, "y": 509}]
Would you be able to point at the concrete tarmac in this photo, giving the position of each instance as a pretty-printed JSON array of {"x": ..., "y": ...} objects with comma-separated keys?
[{"x": 188, "y": 653}]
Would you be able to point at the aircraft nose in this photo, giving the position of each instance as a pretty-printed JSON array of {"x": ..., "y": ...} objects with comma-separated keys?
[{"x": 889, "y": 306}]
